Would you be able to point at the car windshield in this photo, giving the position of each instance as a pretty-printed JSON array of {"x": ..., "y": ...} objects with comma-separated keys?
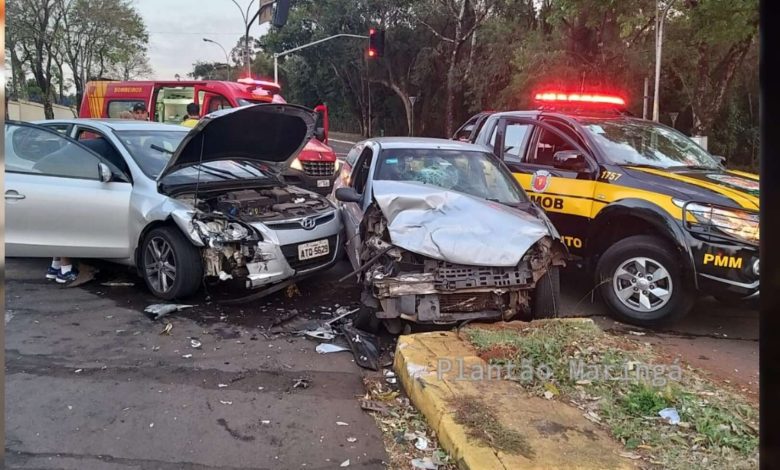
[
  {"x": 152, "y": 150},
  {"x": 471, "y": 172},
  {"x": 645, "y": 143}
]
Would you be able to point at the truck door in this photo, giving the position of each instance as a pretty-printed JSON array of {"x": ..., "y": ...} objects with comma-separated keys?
[
  {"x": 556, "y": 171},
  {"x": 322, "y": 121}
]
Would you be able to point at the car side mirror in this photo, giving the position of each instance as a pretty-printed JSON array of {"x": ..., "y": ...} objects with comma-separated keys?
[
  {"x": 569, "y": 160},
  {"x": 347, "y": 195},
  {"x": 319, "y": 134},
  {"x": 104, "y": 172}
]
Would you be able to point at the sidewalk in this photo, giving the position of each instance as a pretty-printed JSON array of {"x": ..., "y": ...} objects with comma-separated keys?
[{"x": 435, "y": 369}]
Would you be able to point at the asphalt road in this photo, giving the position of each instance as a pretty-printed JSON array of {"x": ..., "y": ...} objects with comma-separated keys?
[{"x": 92, "y": 384}]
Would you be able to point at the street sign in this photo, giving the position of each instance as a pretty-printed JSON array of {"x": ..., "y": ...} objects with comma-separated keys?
[
  {"x": 674, "y": 117},
  {"x": 266, "y": 11},
  {"x": 412, "y": 99}
]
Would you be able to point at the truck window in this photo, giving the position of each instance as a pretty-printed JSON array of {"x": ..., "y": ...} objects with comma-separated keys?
[
  {"x": 116, "y": 107},
  {"x": 546, "y": 146},
  {"x": 514, "y": 138},
  {"x": 217, "y": 102}
]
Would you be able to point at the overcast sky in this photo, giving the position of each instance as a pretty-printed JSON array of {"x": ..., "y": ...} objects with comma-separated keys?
[{"x": 177, "y": 28}]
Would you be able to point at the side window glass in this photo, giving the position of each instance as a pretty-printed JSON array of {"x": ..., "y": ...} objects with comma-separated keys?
[
  {"x": 38, "y": 151},
  {"x": 218, "y": 102},
  {"x": 122, "y": 109},
  {"x": 464, "y": 132},
  {"x": 61, "y": 128},
  {"x": 361, "y": 170},
  {"x": 514, "y": 139},
  {"x": 546, "y": 146},
  {"x": 353, "y": 154}
]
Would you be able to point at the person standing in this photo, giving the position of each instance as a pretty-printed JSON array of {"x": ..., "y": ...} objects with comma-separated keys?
[
  {"x": 193, "y": 114},
  {"x": 62, "y": 270}
]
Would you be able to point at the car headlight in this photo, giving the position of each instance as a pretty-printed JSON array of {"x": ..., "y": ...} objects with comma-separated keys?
[
  {"x": 296, "y": 165},
  {"x": 736, "y": 223}
]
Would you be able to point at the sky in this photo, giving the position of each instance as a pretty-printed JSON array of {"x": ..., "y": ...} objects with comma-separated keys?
[{"x": 177, "y": 28}]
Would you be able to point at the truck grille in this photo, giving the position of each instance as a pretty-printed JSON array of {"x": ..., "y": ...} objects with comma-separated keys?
[
  {"x": 451, "y": 277},
  {"x": 319, "y": 168}
]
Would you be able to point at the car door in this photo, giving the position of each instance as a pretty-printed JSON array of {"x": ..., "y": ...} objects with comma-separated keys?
[
  {"x": 556, "y": 170},
  {"x": 55, "y": 201},
  {"x": 352, "y": 212}
]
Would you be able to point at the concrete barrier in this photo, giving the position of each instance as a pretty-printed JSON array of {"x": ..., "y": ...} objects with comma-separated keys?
[{"x": 24, "y": 110}]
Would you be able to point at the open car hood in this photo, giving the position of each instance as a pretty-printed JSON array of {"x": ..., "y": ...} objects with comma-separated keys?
[
  {"x": 269, "y": 133},
  {"x": 455, "y": 227}
]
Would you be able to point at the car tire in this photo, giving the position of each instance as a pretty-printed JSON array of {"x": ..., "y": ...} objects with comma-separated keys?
[
  {"x": 628, "y": 280},
  {"x": 366, "y": 320},
  {"x": 546, "y": 297},
  {"x": 169, "y": 244}
]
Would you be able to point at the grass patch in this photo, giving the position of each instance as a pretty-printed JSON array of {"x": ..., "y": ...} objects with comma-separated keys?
[
  {"x": 623, "y": 384},
  {"x": 482, "y": 423}
]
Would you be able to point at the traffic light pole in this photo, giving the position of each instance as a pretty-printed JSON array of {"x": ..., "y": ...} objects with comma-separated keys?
[{"x": 284, "y": 53}]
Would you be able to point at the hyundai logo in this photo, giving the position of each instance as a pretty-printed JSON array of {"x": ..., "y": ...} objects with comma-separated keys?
[{"x": 308, "y": 223}]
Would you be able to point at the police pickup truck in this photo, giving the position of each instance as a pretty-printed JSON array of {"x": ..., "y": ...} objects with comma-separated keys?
[{"x": 656, "y": 217}]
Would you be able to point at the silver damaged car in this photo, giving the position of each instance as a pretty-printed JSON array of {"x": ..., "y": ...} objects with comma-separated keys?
[
  {"x": 438, "y": 232},
  {"x": 181, "y": 205}
]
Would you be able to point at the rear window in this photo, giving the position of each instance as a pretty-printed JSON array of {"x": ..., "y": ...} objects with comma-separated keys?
[{"x": 117, "y": 107}]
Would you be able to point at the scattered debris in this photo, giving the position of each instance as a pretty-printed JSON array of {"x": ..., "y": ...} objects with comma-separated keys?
[
  {"x": 630, "y": 455},
  {"x": 167, "y": 329},
  {"x": 389, "y": 373},
  {"x": 670, "y": 415},
  {"x": 548, "y": 395},
  {"x": 324, "y": 333},
  {"x": 151, "y": 425},
  {"x": 292, "y": 291},
  {"x": 77, "y": 371},
  {"x": 226, "y": 402},
  {"x": 160, "y": 310},
  {"x": 195, "y": 343},
  {"x": 342, "y": 423},
  {"x": 422, "y": 443},
  {"x": 636, "y": 333},
  {"x": 301, "y": 383},
  {"x": 187, "y": 356},
  {"x": 221, "y": 385},
  {"x": 424, "y": 463},
  {"x": 339, "y": 316},
  {"x": 364, "y": 346},
  {"x": 352, "y": 439},
  {"x": 265, "y": 421},
  {"x": 344, "y": 463},
  {"x": 117, "y": 284},
  {"x": 373, "y": 405},
  {"x": 325, "y": 348}
]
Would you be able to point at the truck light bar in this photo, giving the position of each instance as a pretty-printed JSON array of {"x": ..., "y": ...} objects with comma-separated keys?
[
  {"x": 259, "y": 83},
  {"x": 555, "y": 97}
]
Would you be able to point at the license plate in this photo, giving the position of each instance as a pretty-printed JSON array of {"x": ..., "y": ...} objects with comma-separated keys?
[
  {"x": 323, "y": 183},
  {"x": 313, "y": 249}
]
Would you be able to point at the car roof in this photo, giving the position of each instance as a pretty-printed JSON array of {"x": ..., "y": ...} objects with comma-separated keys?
[
  {"x": 118, "y": 124},
  {"x": 424, "y": 143}
]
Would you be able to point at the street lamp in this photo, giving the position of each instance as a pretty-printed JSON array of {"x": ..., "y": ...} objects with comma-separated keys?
[
  {"x": 247, "y": 23},
  {"x": 227, "y": 61}
]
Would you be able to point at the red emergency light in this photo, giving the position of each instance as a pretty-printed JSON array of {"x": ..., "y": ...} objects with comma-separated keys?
[{"x": 592, "y": 98}]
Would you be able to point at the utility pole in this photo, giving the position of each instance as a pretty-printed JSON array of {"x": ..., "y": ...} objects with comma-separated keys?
[
  {"x": 412, "y": 100},
  {"x": 660, "y": 15},
  {"x": 645, "y": 98},
  {"x": 265, "y": 7}
]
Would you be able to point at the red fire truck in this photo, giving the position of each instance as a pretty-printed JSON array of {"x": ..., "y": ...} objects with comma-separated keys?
[{"x": 166, "y": 101}]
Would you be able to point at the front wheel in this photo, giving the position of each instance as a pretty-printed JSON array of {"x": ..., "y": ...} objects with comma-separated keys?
[
  {"x": 642, "y": 282},
  {"x": 546, "y": 298},
  {"x": 171, "y": 265}
]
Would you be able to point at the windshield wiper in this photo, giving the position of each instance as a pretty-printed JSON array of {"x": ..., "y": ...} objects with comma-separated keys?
[{"x": 161, "y": 149}]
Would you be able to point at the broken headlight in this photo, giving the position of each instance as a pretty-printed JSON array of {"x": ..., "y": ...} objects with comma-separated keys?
[{"x": 734, "y": 223}]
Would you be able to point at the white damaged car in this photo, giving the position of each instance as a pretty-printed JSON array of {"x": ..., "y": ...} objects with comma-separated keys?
[
  {"x": 181, "y": 205},
  {"x": 438, "y": 231}
]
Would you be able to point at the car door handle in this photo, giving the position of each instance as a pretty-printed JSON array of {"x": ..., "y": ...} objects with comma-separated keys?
[{"x": 11, "y": 194}]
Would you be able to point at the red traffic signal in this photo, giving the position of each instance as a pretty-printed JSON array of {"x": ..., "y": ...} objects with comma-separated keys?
[{"x": 376, "y": 42}]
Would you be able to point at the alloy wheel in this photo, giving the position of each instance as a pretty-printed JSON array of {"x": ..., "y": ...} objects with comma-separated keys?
[
  {"x": 642, "y": 284},
  {"x": 160, "y": 264}
]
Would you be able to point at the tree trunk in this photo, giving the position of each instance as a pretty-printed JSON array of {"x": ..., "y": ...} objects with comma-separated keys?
[{"x": 404, "y": 99}]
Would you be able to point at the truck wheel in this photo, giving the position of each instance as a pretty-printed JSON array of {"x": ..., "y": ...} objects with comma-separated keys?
[
  {"x": 366, "y": 320},
  {"x": 171, "y": 265},
  {"x": 642, "y": 283},
  {"x": 546, "y": 298}
]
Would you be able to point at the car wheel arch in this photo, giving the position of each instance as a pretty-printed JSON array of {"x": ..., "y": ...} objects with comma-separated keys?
[
  {"x": 139, "y": 243},
  {"x": 630, "y": 217}
]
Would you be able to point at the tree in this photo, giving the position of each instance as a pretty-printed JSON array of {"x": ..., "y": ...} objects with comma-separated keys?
[
  {"x": 102, "y": 37},
  {"x": 209, "y": 71},
  {"x": 35, "y": 26}
]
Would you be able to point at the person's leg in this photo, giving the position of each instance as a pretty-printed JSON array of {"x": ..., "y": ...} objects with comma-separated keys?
[
  {"x": 67, "y": 272},
  {"x": 54, "y": 269}
]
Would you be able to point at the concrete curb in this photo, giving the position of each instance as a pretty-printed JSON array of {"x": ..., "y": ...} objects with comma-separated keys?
[{"x": 574, "y": 443}]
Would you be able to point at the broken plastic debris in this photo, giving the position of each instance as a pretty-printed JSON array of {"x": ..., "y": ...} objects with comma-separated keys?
[
  {"x": 425, "y": 464},
  {"x": 226, "y": 402},
  {"x": 323, "y": 333},
  {"x": 352, "y": 439},
  {"x": 636, "y": 333},
  {"x": 422, "y": 443},
  {"x": 265, "y": 421},
  {"x": 160, "y": 310},
  {"x": 344, "y": 463},
  {"x": 195, "y": 343},
  {"x": 670, "y": 415},
  {"x": 548, "y": 395},
  {"x": 117, "y": 284},
  {"x": 325, "y": 348},
  {"x": 342, "y": 423},
  {"x": 167, "y": 329},
  {"x": 187, "y": 356},
  {"x": 389, "y": 373},
  {"x": 77, "y": 371},
  {"x": 301, "y": 383},
  {"x": 221, "y": 385},
  {"x": 391, "y": 380}
]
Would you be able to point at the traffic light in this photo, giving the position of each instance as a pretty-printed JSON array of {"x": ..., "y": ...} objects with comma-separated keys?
[
  {"x": 376, "y": 42},
  {"x": 280, "y": 13}
]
